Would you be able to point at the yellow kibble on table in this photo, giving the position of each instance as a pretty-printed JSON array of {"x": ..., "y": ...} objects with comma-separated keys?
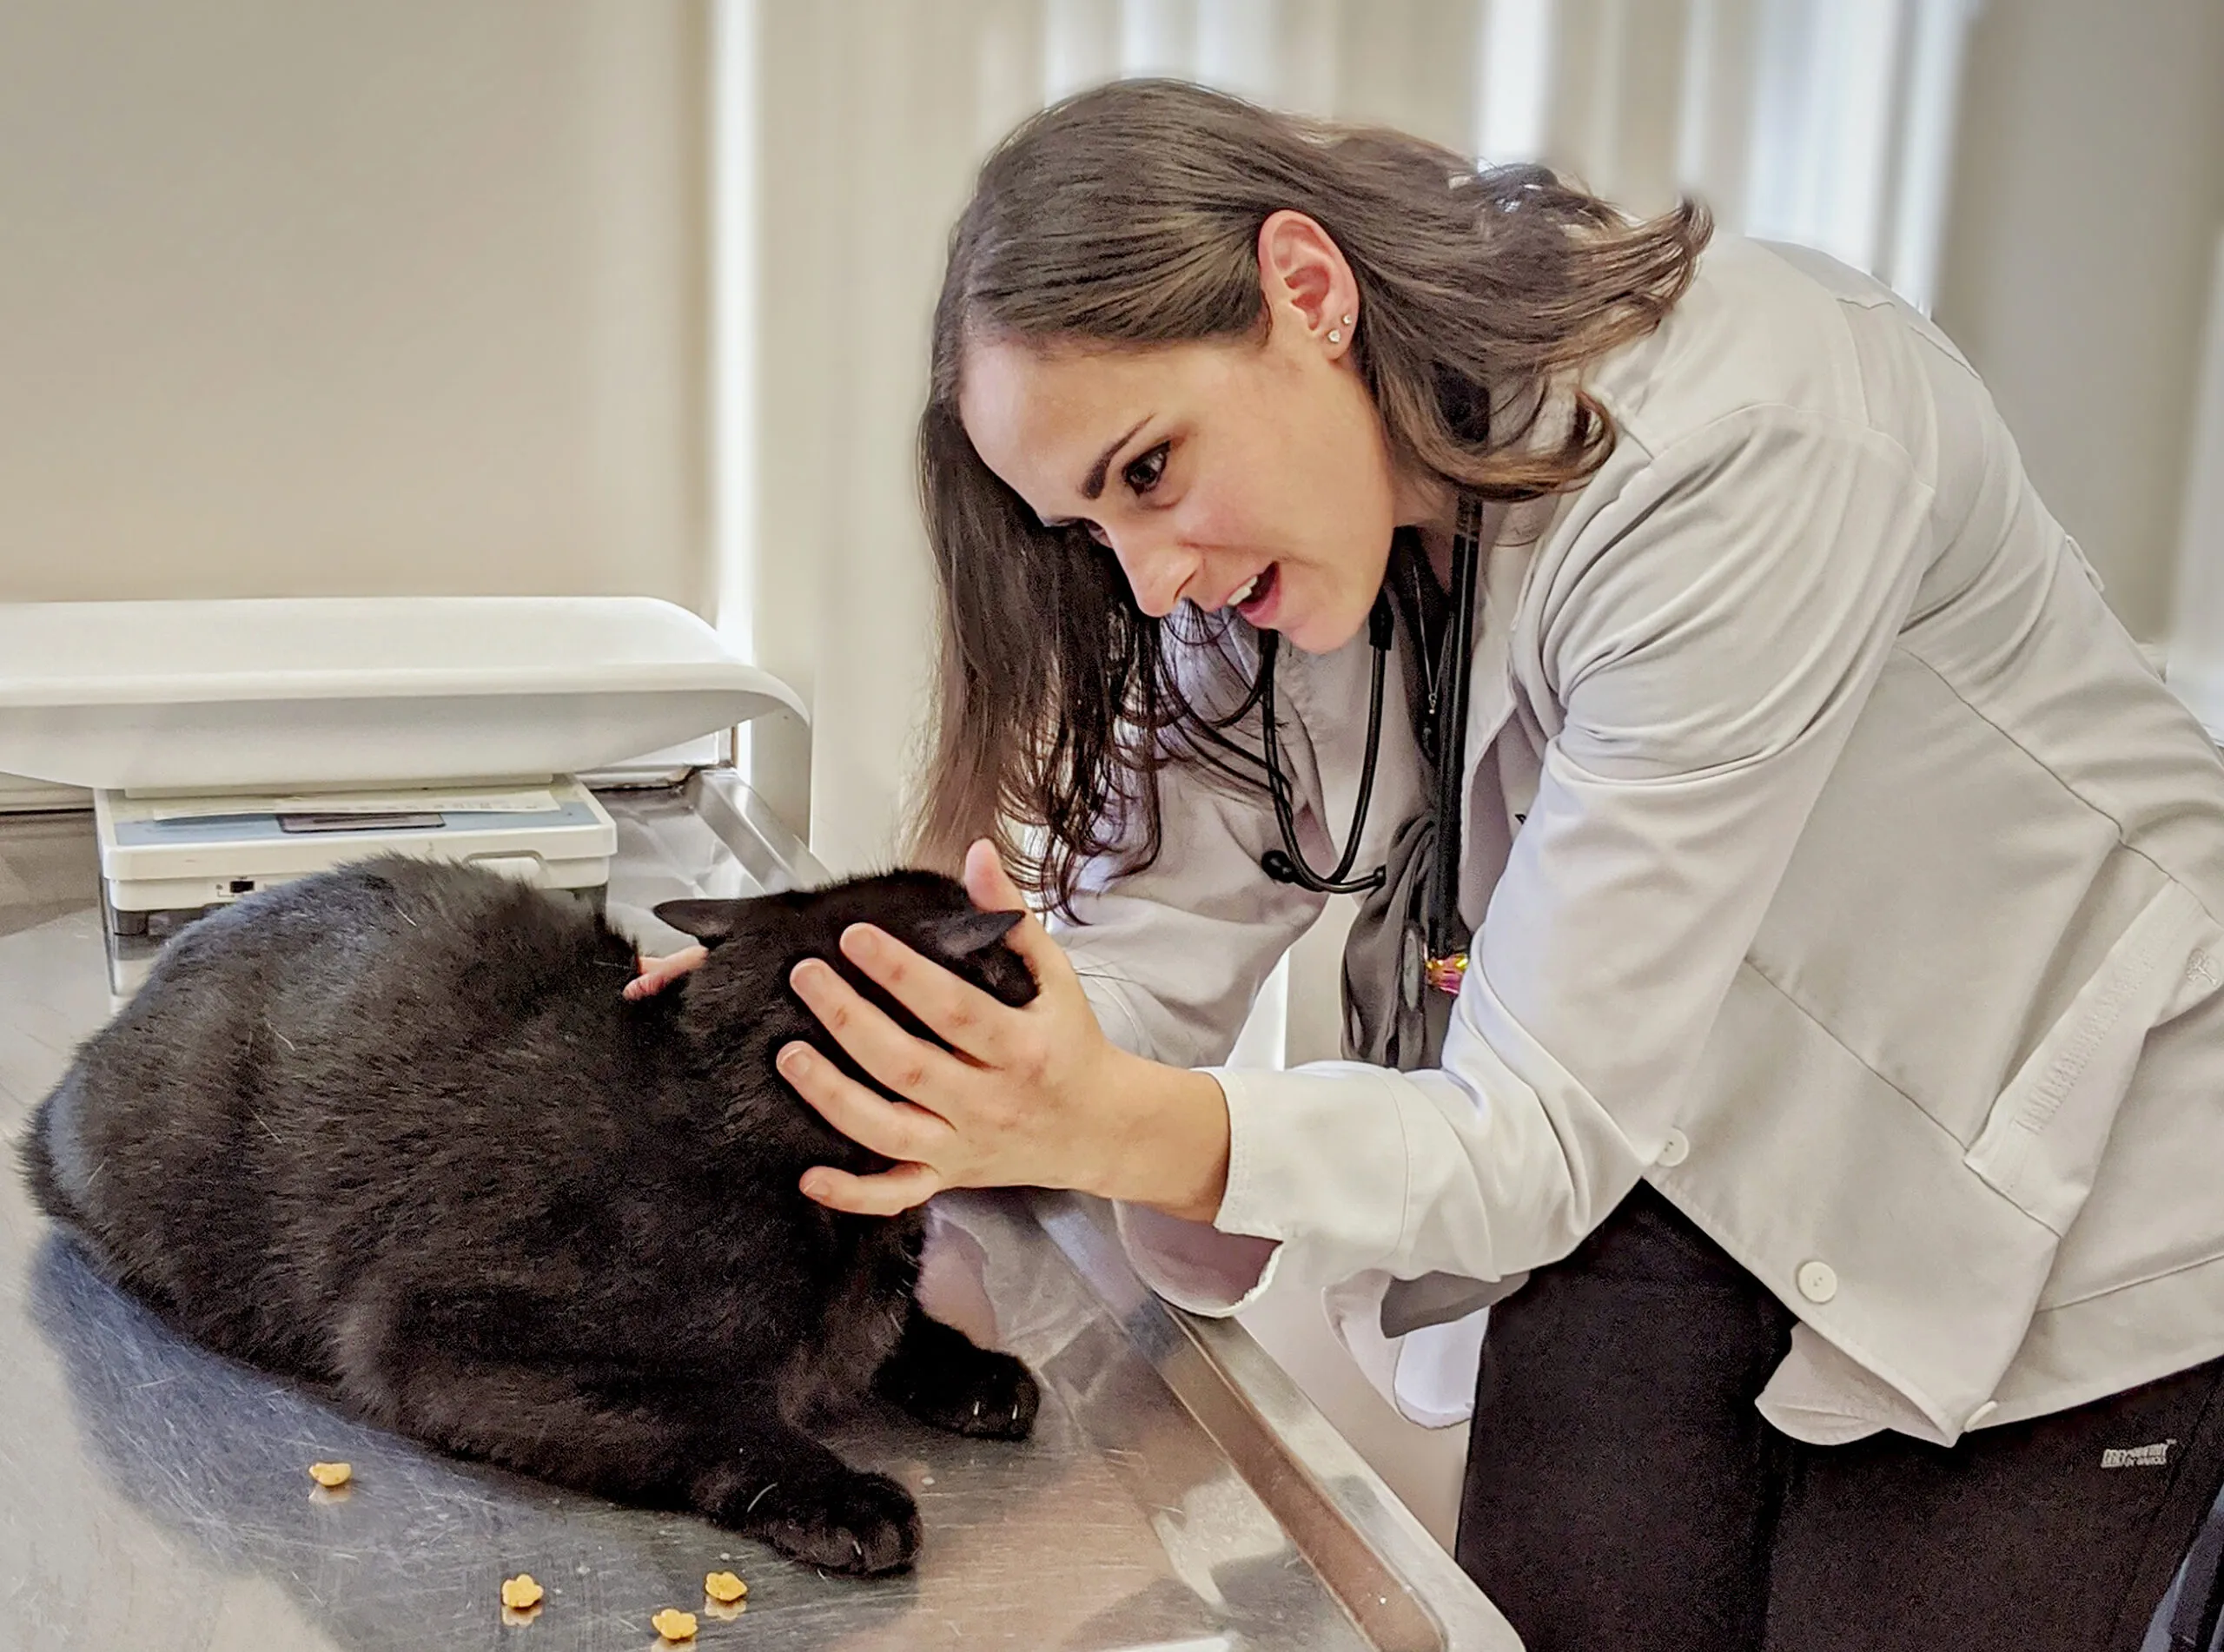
[
  {"x": 329, "y": 1475},
  {"x": 724, "y": 1587},
  {"x": 673, "y": 1625},
  {"x": 520, "y": 1591}
]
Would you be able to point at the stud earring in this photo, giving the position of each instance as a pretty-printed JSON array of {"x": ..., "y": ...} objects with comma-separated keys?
[{"x": 1335, "y": 337}]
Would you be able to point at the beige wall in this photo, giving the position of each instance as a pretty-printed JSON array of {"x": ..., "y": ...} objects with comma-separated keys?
[
  {"x": 2087, "y": 197},
  {"x": 325, "y": 296}
]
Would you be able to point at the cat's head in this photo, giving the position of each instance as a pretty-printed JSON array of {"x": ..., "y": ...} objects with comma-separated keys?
[{"x": 739, "y": 1003}]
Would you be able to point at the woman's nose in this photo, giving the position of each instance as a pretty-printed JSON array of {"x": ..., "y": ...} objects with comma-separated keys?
[{"x": 1159, "y": 569}]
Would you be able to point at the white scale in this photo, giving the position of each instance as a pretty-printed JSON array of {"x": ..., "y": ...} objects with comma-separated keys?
[
  {"x": 233, "y": 745},
  {"x": 182, "y": 854}
]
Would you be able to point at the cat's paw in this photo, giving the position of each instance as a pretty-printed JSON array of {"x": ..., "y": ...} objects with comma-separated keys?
[
  {"x": 983, "y": 1393},
  {"x": 862, "y": 1524}
]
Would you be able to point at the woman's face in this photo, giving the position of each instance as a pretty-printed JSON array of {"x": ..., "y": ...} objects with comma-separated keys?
[{"x": 1231, "y": 474}]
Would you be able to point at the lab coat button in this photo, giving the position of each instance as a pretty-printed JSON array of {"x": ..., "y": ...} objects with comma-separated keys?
[
  {"x": 1983, "y": 1411},
  {"x": 1818, "y": 1281},
  {"x": 1674, "y": 1150}
]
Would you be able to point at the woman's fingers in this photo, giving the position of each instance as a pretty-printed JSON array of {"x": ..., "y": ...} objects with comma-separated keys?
[
  {"x": 893, "y": 1129},
  {"x": 963, "y": 1016},
  {"x": 987, "y": 882},
  {"x": 960, "y": 1014},
  {"x": 658, "y": 973},
  {"x": 993, "y": 890},
  {"x": 885, "y": 1194},
  {"x": 906, "y": 1065},
  {"x": 986, "y": 1087}
]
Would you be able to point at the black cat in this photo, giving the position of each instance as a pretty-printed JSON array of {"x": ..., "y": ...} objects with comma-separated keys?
[{"x": 392, "y": 1129}]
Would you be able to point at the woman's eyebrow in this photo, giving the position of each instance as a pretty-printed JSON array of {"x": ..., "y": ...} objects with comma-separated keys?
[{"x": 1092, "y": 485}]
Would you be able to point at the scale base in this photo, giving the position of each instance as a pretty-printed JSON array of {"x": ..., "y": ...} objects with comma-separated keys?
[{"x": 179, "y": 856}]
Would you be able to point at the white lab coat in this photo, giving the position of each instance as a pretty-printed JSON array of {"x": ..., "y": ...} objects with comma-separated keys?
[{"x": 1839, "y": 865}]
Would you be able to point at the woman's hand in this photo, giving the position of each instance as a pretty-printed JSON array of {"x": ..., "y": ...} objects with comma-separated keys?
[
  {"x": 1036, "y": 1096},
  {"x": 656, "y": 974}
]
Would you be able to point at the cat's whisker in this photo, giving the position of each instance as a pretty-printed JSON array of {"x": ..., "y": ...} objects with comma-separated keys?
[{"x": 770, "y": 1485}]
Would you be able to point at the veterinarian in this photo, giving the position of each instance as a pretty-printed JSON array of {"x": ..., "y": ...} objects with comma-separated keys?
[{"x": 1789, "y": 904}]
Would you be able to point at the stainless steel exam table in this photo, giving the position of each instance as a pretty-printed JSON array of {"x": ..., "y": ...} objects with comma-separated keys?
[{"x": 1179, "y": 1493}]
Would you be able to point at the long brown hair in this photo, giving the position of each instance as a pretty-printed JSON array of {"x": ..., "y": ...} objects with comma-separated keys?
[{"x": 1129, "y": 214}]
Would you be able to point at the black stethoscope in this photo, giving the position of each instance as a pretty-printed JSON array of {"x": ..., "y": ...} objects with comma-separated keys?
[{"x": 1443, "y": 737}]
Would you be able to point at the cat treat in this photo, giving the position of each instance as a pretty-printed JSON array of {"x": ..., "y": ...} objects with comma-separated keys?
[
  {"x": 520, "y": 1592},
  {"x": 724, "y": 1588},
  {"x": 297, "y": 1143},
  {"x": 674, "y": 1625},
  {"x": 331, "y": 1475}
]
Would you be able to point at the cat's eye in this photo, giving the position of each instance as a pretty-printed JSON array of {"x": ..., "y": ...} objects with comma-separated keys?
[{"x": 1145, "y": 473}]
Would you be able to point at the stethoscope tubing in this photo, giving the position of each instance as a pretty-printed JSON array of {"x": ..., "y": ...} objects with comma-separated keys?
[{"x": 1448, "y": 721}]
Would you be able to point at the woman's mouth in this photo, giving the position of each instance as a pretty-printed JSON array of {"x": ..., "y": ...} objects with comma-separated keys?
[{"x": 1254, "y": 599}]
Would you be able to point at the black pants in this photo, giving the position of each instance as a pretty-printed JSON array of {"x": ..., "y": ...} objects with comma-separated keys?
[{"x": 1623, "y": 1494}]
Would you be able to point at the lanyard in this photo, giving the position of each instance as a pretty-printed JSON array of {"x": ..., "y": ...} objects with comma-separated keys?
[{"x": 1443, "y": 734}]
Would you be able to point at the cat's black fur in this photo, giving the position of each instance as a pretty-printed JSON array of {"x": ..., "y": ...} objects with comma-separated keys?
[{"x": 392, "y": 1129}]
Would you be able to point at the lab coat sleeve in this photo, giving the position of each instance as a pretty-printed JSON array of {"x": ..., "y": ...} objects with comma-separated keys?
[
  {"x": 1715, "y": 629},
  {"x": 1171, "y": 958}
]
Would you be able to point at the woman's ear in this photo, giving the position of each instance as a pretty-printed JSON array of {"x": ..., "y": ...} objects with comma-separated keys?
[
  {"x": 709, "y": 922},
  {"x": 1306, "y": 282}
]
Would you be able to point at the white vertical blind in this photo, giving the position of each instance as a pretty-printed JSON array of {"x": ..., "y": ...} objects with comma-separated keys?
[
  {"x": 2196, "y": 652},
  {"x": 736, "y": 316}
]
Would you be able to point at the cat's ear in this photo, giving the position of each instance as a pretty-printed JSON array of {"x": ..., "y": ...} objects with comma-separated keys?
[
  {"x": 709, "y": 922},
  {"x": 962, "y": 934}
]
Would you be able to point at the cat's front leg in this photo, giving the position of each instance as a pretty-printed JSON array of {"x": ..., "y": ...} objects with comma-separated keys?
[
  {"x": 939, "y": 1376},
  {"x": 776, "y": 1483},
  {"x": 648, "y": 1440}
]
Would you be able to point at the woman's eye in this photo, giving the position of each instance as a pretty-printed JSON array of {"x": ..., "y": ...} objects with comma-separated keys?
[{"x": 1143, "y": 475}]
